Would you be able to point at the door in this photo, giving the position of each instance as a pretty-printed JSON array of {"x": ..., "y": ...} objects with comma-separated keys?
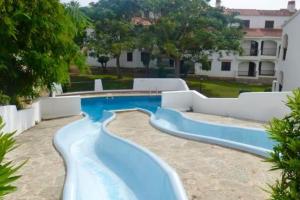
[
  {"x": 254, "y": 48},
  {"x": 251, "y": 71}
]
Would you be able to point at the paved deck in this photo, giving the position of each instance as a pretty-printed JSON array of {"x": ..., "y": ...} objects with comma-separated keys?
[
  {"x": 225, "y": 120},
  {"x": 207, "y": 171},
  {"x": 44, "y": 173}
]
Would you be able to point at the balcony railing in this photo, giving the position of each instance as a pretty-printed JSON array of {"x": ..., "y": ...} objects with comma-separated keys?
[
  {"x": 250, "y": 52},
  {"x": 264, "y": 52},
  {"x": 245, "y": 73},
  {"x": 270, "y": 72},
  {"x": 269, "y": 52}
]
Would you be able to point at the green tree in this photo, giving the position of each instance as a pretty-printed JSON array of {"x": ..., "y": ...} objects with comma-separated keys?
[
  {"x": 146, "y": 42},
  {"x": 286, "y": 154},
  {"x": 80, "y": 20},
  {"x": 189, "y": 30},
  {"x": 114, "y": 31},
  {"x": 37, "y": 46},
  {"x": 7, "y": 169}
]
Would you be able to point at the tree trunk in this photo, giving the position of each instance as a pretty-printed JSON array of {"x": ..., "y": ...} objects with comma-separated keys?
[
  {"x": 119, "y": 68},
  {"x": 147, "y": 70},
  {"x": 105, "y": 67},
  {"x": 177, "y": 68}
]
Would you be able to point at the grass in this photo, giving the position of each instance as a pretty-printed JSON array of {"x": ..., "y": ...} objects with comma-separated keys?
[
  {"x": 218, "y": 88},
  {"x": 209, "y": 88},
  {"x": 110, "y": 82}
]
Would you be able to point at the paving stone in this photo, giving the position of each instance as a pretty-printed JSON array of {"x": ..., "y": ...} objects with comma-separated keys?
[{"x": 207, "y": 171}]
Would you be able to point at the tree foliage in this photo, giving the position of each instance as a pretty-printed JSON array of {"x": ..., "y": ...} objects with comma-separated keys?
[
  {"x": 286, "y": 155},
  {"x": 192, "y": 29},
  {"x": 114, "y": 32},
  {"x": 179, "y": 29},
  {"x": 37, "y": 46},
  {"x": 7, "y": 168}
]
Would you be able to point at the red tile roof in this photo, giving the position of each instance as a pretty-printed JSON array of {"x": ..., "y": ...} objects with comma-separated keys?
[
  {"x": 141, "y": 21},
  {"x": 254, "y": 12},
  {"x": 261, "y": 32}
]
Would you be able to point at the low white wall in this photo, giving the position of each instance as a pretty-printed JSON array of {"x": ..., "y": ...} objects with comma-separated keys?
[
  {"x": 55, "y": 107},
  {"x": 98, "y": 85},
  {"x": 254, "y": 106},
  {"x": 44, "y": 108},
  {"x": 181, "y": 100},
  {"x": 159, "y": 84},
  {"x": 20, "y": 120}
]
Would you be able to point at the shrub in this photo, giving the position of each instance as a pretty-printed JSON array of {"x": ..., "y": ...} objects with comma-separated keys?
[
  {"x": 286, "y": 155},
  {"x": 4, "y": 99},
  {"x": 7, "y": 168}
]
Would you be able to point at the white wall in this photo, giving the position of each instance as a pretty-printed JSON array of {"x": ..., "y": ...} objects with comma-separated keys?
[
  {"x": 136, "y": 62},
  {"x": 44, "y": 108},
  {"x": 98, "y": 85},
  {"x": 216, "y": 63},
  {"x": 159, "y": 84},
  {"x": 55, "y": 107},
  {"x": 253, "y": 106},
  {"x": 20, "y": 120},
  {"x": 259, "y": 21},
  {"x": 291, "y": 66}
]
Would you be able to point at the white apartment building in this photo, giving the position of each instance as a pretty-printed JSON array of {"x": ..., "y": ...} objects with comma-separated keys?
[
  {"x": 288, "y": 75},
  {"x": 261, "y": 46}
]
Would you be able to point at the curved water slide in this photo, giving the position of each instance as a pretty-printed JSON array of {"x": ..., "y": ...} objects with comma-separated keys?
[
  {"x": 252, "y": 140},
  {"x": 103, "y": 166}
]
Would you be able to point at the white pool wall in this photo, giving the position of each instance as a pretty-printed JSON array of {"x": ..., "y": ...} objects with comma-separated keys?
[{"x": 257, "y": 106}]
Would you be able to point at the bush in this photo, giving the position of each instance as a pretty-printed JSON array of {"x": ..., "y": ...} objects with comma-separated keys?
[
  {"x": 7, "y": 169},
  {"x": 4, "y": 99},
  {"x": 286, "y": 155}
]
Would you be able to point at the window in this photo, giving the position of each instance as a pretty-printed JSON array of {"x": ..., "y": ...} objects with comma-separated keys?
[
  {"x": 226, "y": 66},
  {"x": 129, "y": 57},
  {"x": 171, "y": 63},
  {"x": 206, "y": 66},
  {"x": 246, "y": 24},
  {"x": 269, "y": 24}
]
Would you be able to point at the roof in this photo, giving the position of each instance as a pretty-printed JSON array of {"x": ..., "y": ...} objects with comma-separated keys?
[
  {"x": 254, "y": 12},
  {"x": 261, "y": 32},
  {"x": 141, "y": 21},
  {"x": 291, "y": 19}
]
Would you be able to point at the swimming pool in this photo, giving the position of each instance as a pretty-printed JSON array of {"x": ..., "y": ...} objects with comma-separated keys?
[
  {"x": 94, "y": 107},
  {"x": 101, "y": 165}
]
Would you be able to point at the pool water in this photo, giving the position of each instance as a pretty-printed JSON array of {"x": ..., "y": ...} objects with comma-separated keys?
[{"x": 94, "y": 107}]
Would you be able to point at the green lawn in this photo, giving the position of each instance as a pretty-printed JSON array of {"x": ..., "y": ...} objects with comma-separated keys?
[
  {"x": 218, "y": 88},
  {"x": 210, "y": 88}
]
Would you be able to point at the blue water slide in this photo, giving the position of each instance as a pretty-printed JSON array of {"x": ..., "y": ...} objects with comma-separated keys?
[{"x": 252, "y": 140}]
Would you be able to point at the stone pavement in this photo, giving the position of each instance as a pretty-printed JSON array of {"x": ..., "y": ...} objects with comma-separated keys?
[
  {"x": 44, "y": 173},
  {"x": 207, "y": 171}
]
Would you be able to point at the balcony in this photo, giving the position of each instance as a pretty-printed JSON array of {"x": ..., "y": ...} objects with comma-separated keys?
[
  {"x": 268, "y": 48},
  {"x": 250, "y": 52},
  {"x": 250, "y": 48},
  {"x": 266, "y": 68},
  {"x": 246, "y": 69}
]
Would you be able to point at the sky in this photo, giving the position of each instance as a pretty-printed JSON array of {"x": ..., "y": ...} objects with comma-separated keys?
[{"x": 257, "y": 4}]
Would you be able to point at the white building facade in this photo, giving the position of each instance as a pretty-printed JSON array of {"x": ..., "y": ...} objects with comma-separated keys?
[
  {"x": 288, "y": 75},
  {"x": 261, "y": 47}
]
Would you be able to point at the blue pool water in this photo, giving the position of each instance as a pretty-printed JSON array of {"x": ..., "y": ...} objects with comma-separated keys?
[{"x": 94, "y": 107}]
